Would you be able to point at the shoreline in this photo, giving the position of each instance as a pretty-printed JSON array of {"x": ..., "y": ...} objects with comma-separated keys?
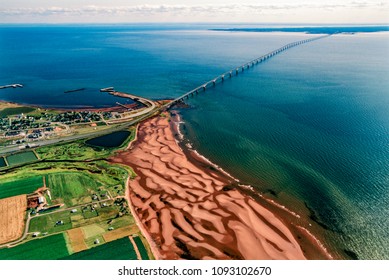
[
  {"x": 250, "y": 190},
  {"x": 193, "y": 210}
]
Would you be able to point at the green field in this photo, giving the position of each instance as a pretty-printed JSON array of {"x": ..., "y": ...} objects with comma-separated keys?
[
  {"x": 120, "y": 249},
  {"x": 14, "y": 187},
  {"x": 21, "y": 158},
  {"x": 48, "y": 248},
  {"x": 46, "y": 223},
  {"x": 78, "y": 150},
  {"x": 71, "y": 187},
  {"x": 141, "y": 248},
  {"x": 15, "y": 111}
]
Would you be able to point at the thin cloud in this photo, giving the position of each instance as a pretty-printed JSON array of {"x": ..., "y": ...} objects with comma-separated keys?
[{"x": 148, "y": 10}]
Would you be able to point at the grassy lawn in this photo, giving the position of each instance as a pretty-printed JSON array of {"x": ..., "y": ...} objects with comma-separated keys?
[
  {"x": 15, "y": 111},
  {"x": 46, "y": 223},
  {"x": 14, "y": 186},
  {"x": 120, "y": 249},
  {"x": 71, "y": 187},
  {"x": 79, "y": 150},
  {"x": 111, "y": 176},
  {"x": 21, "y": 158},
  {"x": 49, "y": 248},
  {"x": 76, "y": 150}
]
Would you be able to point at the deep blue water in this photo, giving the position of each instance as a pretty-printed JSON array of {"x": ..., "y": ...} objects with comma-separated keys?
[
  {"x": 114, "y": 139},
  {"x": 311, "y": 124}
]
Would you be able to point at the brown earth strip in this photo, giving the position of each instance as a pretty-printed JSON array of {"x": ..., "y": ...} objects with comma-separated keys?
[
  {"x": 77, "y": 240},
  {"x": 120, "y": 233}
]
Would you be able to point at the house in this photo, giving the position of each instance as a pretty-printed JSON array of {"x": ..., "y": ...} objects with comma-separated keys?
[{"x": 41, "y": 199}]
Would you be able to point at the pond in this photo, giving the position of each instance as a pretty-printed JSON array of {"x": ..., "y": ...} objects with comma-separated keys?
[
  {"x": 111, "y": 140},
  {"x": 2, "y": 162}
]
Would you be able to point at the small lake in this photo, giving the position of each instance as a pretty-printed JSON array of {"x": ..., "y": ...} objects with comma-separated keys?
[
  {"x": 112, "y": 140},
  {"x": 2, "y": 162}
]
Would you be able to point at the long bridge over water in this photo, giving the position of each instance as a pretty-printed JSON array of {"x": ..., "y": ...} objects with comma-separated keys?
[
  {"x": 235, "y": 71},
  {"x": 151, "y": 112}
]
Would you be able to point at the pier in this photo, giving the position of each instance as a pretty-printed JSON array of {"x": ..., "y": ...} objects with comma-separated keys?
[{"x": 235, "y": 71}]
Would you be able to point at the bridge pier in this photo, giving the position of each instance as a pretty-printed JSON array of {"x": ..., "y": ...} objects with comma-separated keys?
[{"x": 251, "y": 63}]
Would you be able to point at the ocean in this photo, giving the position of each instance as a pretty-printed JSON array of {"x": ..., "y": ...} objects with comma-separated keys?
[{"x": 309, "y": 127}]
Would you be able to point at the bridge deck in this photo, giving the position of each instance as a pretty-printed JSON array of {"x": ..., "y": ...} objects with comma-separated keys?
[{"x": 235, "y": 71}]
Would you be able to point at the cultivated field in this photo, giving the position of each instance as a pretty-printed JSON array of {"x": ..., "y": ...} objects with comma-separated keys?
[
  {"x": 49, "y": 248},
  {"x": 120, "y": 233},
  {"x": 21, "y": 158},
  {"x": 120, "y": 249},
  {"x": 46, "y": 223},
  {"x": 141, "y": 248},
  {"x": 12, "y": 212},
  {"x": 13, "y": 186},
  {"x": 76, "y": 239},
  {"x": 71, "y": 188}
]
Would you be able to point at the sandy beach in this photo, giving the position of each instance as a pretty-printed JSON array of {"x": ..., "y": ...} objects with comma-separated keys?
[{"x": 192, "y": 213}]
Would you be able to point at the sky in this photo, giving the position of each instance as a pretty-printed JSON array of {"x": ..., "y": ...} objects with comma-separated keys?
[{"x": 244, "y": 11}]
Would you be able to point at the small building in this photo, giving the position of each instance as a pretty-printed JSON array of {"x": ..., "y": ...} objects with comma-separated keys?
[
  {"x": 59, "y": 223},
  {"x": 73, "y": 211},
  {"x": 110, "y": 228},
  {"x": 41, "y": 199},
  {"x": 35, "y": 234},
  {"x": 94, "y": 197},
  {"x": 97, "y": 241}
]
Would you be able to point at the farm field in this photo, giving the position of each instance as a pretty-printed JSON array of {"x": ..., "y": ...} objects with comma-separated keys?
[
  {"x": 120, "y": 233},
  {"x": 13, "y": 187},
  {"x": 71, "y": 188},
  {"x": 21, "y": 158},
  {"x": 141, "y": 248},
  {"x": 120, "y": 249},
  {"x": 76, "y": 240},
  {"x": 48, "y": 248},
  {"x": 12, "y": 213},
  {"x": 46, "y": 223}
]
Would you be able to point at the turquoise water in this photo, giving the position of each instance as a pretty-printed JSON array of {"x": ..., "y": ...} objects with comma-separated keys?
[{"x": 311, "y": 123}]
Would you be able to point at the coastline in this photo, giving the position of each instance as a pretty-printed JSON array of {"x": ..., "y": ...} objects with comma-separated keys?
[
  {"x": 300, "y": 224},
  {"x": 192, "y": 209}
]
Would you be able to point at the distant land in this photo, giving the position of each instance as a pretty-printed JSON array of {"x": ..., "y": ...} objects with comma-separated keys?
[{"x": 313, "y": 29}]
